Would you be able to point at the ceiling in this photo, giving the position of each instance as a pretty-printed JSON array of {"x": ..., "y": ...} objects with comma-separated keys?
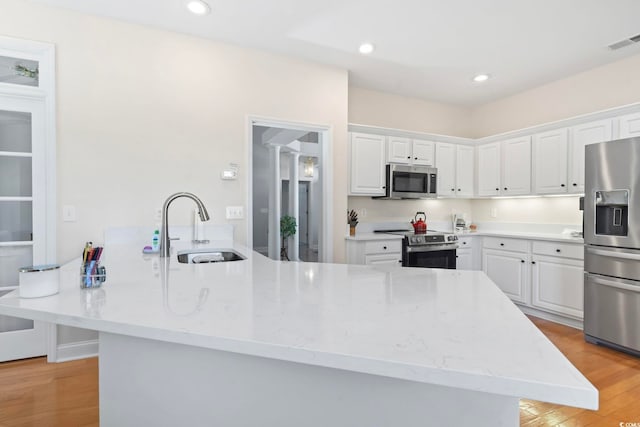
[{"x": 428, "y": 49}]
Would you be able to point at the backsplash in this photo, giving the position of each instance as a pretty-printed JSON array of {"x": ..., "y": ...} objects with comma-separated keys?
[{"x": 533, "y": 210}]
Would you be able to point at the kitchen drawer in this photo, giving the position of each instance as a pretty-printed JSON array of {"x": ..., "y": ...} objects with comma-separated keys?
[
  {"x": 465, "y": 242},
  {"x": 565, "y": 250},
  {"x": 383, "y": 259},
  {"x": 505, "y": 244},
  {"x": 383, "y": 246}
]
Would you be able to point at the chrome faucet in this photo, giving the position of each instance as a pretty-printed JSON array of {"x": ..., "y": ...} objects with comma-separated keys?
[{"x": 165, "y": 249}]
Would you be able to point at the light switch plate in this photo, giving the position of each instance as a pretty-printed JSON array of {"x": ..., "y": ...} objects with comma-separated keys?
[
  {"x": 235, "y": 212},
  {"x": 69, "y": 213}
]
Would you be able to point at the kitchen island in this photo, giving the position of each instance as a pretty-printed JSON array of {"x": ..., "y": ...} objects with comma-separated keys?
[{"x": 260, "y": 342}]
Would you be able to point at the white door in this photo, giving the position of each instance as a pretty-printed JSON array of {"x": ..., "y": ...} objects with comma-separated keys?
[
  {"x": 464, "y": 260},
  {"x": 557, "y": 285},
  {"x": 509, "y": 270},
  {"x": 22, "y": 215},
  {"x": 582, "y": 135},
  {"x": 399, "y": 150},
  {"x": 489, "y": 169},
  {"x": 516, "y": 166},
  {"x": 446, "y": 164},
  {"x": 464, "y": 171},
  {"x": 423, "y": 152},
  {"x": 550, "y": 162},
  {"x": 367, "y": 164},
  {"x": 630, "y": 125}
]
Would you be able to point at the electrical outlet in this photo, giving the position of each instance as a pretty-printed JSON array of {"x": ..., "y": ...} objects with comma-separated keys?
[
  {"x": 158, "y": 214},
  {"x": 235, "y": 212},
  {"x": 69, "y": 213}
]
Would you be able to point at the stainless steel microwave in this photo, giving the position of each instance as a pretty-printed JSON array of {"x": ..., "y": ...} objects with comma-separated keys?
[{"x": 410, "y": 182}]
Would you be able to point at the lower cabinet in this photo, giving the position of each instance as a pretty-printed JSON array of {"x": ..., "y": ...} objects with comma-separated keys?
[
  {"x": 374, "y": 252},
  {"x": 510, "y": 271},
  {"x": 464, "y": 259},
  {"x": 557, "y": 285}
]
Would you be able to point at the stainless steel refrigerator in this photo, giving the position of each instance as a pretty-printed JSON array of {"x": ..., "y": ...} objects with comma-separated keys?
[{"x": 612, "y": 244}]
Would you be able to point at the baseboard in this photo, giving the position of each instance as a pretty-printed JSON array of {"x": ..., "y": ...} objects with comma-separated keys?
[
  {"x": 573, "y": 323},
  {"x": 77, "y": 350}
]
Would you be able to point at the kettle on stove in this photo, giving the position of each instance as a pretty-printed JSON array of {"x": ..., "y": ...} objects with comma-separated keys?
[{"x": 419, "y": 224}]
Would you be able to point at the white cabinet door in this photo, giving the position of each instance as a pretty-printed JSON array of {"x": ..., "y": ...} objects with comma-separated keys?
[
  {"x": 509, "y": 270},
  {"x": 582, "y": 135},
  {"x": 550, "y": 162},
  {"x": 367, "y": 164},
  {"x": 423, "y": 152},
  {"x": 630, "y": 125},
  {"x": 464, "y": 259},
  {"x": 489, "y": 169},
  {"x": 399, "y": 150},
  {"x": 464, "y": 171},
  {"x": 557, "y": 285},
  {"x": 516, "y": 166},
  {"x": 446, "y": 164},
  {"x": 388, "y": 259}
]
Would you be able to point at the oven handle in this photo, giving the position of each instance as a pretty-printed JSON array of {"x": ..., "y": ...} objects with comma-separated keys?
[
  {"x": 611, "y": 283},
  {"x": 432, "y": 248},
  {"x": 614, "y": 254}
]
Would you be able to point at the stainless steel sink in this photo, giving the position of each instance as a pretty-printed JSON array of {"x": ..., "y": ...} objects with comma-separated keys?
[{"x": 205, "y": 256}]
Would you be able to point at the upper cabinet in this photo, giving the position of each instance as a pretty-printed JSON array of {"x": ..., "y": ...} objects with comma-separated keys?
[
  {"x": 504, "y": 168},
  {"x": 550, "y": 161},
  {"x": 455, "y": 169},
  {"x": 366, "y": 163},
  {"x": 410, "y": 151},
  {"x": 580, "y": 136},
  {"x": 630, "y": 125}
]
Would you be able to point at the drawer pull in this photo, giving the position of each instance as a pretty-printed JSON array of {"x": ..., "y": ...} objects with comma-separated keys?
[
  {"x": 501, "y": 244},
  {"x": 384, "y": 247},
  {"x": 533, "y": 262},
  {"x": 558, "y": 250},
  {"x": 464, "y": 243},
  {"x": 522, "y": 261}
]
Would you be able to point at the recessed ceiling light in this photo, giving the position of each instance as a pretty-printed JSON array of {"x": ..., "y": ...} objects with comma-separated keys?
[
  {"x": 366, "y": 48},
  {"x": 198, "y": 7},
  {"x": 481, "y": 78}
]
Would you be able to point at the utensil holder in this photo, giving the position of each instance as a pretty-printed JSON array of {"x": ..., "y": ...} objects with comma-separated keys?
[{"x": 92, "y": 277}]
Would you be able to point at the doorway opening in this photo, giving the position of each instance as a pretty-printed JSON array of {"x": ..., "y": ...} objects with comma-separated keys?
[{"x": 290, "y": 177}]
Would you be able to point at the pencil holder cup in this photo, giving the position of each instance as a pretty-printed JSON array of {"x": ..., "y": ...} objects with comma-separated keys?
[{"x": 92, "y": 277}]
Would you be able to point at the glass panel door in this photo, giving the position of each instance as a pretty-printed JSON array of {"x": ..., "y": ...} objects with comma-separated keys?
[{"x": 21, "y": 223}]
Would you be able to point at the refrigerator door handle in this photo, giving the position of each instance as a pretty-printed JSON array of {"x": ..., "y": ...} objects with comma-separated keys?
[
  {"x": 613, "y": 254},
  {"x": 614, "y": 284}
]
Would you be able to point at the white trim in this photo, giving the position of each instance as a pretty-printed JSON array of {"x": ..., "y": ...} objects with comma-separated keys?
[
  {"x": 77, "y": 350},
  {"x": 16, "y": 199},
  {"x": 16, "y": 243},
  {"x": 15, "y": 154},
  {"x": 563, "y": 320},
  {"x": 326, "y": 133},
  {"x": 378, "y": 130},
  {"x": 52, "y": 343}
]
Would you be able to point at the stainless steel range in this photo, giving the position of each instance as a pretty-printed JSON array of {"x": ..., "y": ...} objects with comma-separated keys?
[
  {"x": 434, "y": 249},
  {"x": 612, "y": 244}
]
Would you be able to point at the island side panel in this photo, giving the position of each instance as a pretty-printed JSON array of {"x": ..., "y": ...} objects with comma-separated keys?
[{"x": 147, "y": 382}]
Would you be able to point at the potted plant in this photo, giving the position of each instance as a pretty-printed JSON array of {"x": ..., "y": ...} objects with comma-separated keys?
[{"x": 287, "y": 229}]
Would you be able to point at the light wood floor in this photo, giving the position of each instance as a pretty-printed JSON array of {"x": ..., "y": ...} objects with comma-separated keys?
[{"x": 35, "y": 393}]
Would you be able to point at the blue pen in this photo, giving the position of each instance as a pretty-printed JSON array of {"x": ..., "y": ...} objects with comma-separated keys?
[{"x": 89, "y": 272}]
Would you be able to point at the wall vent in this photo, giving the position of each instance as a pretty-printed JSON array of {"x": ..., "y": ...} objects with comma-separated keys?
[{"x": 625, "y": 42}]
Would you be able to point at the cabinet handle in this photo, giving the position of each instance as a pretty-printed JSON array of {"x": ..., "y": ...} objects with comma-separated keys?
[
  {"x": 558, "y": 250},
  {"x": 453, "y": 189},
  {"x": 408, "y": 157},
  {"x": 384, "y": 186},
  {"x": 533, "y": 262},
  {"x": 384, "y": 247},
  {"x": 574, "y": 184},
  {"x": 459, "y": 189},
  {"x": 501, "y": 244},
  {"x": 464, "y": 243},
  {"x": 415, "y": 158},
  {"x": 497, "y": 189},
  {"x": 457, "y": 256},
  {"x": 505, "y": 188},
  {"x": 561, "y": 185},
  {"x": 400, "y": 261},
  {"x": 522, "y": 261}
]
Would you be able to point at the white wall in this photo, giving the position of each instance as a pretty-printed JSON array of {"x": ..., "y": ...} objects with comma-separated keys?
[
  {"x": 405, "y": 210},
  {"x": 540, "y": 210},
  {"x": 143, "y": 113}
]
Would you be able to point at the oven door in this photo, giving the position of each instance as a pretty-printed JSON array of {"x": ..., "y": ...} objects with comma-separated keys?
[{"x": 430, "y": 256}]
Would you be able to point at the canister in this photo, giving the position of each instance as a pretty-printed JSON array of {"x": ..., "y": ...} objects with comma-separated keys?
[{"x": 39, "y": 280}]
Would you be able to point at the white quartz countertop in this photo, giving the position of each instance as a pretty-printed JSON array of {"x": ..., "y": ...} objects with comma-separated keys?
[{"x": 444, "y": 327}]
